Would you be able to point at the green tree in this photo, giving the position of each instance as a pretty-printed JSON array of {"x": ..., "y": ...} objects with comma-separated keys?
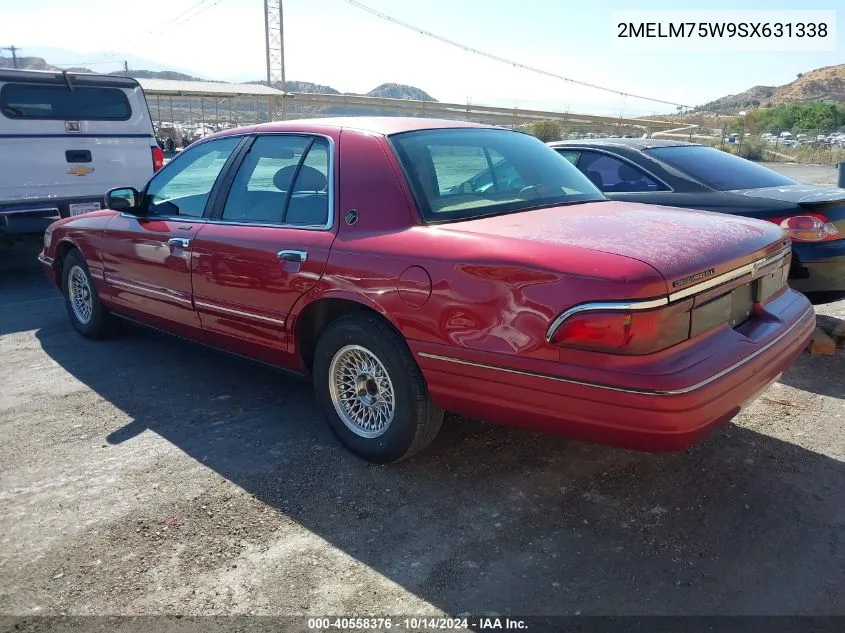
[{"x": 547, "y": 130}]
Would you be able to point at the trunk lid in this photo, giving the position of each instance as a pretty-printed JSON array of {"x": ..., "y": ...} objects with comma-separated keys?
[{"x": 684, "y": 246}]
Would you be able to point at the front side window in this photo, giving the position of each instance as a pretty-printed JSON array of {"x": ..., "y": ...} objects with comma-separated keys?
[
  {"x": 611, "y": 174},
  {"x": 464, "y": 173},
  {"x": 284, "y": 179},
  {"x": 33, "y": 101},
  {"x": 182, "y": 188},
  {"x": 717, "y": 169}
]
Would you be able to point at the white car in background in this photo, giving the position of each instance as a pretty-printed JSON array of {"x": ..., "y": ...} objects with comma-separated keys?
[{"x": 66, "y": 139}]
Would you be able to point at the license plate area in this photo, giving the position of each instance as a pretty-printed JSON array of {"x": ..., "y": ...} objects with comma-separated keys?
[
  {"x": 736, "y": 306},
  {"x": 84, "y": 207}
]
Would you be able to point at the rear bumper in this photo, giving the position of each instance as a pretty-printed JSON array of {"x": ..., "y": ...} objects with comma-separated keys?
[
  {"x": 651, "y": 419},
  {"x": 34, "y": 216},
  {"x": 818, "y": 267}
]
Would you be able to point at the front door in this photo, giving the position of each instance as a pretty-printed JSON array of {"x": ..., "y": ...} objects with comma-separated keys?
[
  {"x": 266, "y": 246},
  {"x": 148, "y": 255}
]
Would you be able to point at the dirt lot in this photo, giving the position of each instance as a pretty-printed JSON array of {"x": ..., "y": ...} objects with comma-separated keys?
[{"x": 145, "y": 475}]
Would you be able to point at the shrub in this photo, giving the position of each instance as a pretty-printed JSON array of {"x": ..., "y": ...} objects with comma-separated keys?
[{"x": 547, "y": 131}]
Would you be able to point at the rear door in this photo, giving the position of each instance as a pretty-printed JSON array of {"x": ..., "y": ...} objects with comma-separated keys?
[
  {"x": 266, "y": 245},
  {"x": 148, "y": 257},
  {"x": 70, "y": 144}
]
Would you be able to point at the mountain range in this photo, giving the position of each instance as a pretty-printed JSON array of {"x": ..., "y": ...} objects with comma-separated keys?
[{"x": 822, "y": 84}]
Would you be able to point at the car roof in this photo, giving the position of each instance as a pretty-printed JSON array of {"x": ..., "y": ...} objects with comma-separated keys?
[
  {"x": 384, "y": 125},
  {"x": 58, "y": 77},
  {"x": 630, "y": 143}
]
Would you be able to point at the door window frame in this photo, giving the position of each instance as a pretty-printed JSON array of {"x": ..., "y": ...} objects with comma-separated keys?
[
  {"x": 220, "y": 193},
  {"x": 209, "y": 204}
]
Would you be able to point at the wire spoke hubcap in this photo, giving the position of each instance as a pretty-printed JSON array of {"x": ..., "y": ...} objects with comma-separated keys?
[
  {"x": 79, "y": 294},
  {"x": 361, "y": 391}
]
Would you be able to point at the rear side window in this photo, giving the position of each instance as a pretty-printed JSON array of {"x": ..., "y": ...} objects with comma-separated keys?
[
  {"x": 611, "y": 174},
  {"x": 83, "y": 103},
  {"x": 284, "y": 179}
]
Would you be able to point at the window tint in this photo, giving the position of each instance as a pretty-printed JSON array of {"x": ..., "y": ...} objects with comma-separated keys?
[
  {"x": 468, "y": 172},
  {"x": 263, "y": 191},
  {"x": 718, "y": 169},
  {"x": 612, "y": 174},
  {"x": 183, "y": 187},
  {"x": 24, "y": 101}
]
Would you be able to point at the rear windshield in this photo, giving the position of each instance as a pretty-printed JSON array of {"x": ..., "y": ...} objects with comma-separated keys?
[
  {"x": 463, "y": 173},
  {"x": 718, "y": 169},
  {"x": 28, "y": 101}
]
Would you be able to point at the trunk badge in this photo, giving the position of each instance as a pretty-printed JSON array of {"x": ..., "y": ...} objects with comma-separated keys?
[
  {"x": 80, "y": 171},
  {"x": 695, "y": 277},
  {"x": 72, "y": 126}
]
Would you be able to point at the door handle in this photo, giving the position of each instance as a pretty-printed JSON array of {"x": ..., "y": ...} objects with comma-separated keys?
[
  {"x": 292, "y": 256},
  {"x": 181, "y": 242}
]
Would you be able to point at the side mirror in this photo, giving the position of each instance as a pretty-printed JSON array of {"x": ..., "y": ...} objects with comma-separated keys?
[{"x": 123, "y": 199}]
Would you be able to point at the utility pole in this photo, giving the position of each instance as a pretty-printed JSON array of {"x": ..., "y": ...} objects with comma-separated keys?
[
  {"x": 14, "y": 50},
  {"x": 274, "y": 38},
  {"x": 125, "y": 67}
]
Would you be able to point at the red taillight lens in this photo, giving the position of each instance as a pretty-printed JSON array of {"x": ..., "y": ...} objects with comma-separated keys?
[
  {"x": 626, "y": 332},
  {"x": 158, "y": 158},
  {"x": 808, "y": 228}
]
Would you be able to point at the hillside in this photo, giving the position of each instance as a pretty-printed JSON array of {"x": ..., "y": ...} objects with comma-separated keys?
[{"x": 822, "y": 84}]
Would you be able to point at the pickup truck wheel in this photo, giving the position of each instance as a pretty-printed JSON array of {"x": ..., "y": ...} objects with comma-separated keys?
[
  {"x": 371, "y": 391},
  {"x": 84, "y": 307}
]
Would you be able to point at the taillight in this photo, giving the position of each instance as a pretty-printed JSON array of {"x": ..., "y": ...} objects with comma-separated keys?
[
  {"x": 625, "y": 331},
  {"x": 811, "y": 227},
  {"x": 158, "y": 158}
]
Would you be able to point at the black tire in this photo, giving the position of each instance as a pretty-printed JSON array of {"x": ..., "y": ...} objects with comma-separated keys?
[
  {"x": 416, "y": 419},
  {"x": 98, "y": 324}
]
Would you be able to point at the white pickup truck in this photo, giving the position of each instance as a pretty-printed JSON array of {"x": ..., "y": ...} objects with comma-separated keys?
[{"x": 65, "y": 139}]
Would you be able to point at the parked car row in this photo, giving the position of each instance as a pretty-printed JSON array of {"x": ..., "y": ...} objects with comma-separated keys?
[{"x": 410, "y": 266}]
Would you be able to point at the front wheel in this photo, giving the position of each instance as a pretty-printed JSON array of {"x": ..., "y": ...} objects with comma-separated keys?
[
  {"x": 86, "y": 311},
  {"x": 371, "y": 390}
]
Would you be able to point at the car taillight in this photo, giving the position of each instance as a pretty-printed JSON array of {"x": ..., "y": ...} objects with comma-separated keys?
[
  {"x": 625, "y": 331},
  {"x": 810, "y": 227},
  {"x": 158, "y": 158}
]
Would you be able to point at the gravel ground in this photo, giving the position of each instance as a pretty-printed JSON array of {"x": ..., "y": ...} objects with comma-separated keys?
[
  {"x": 811, "y": 174},
  {"x": 144, "y": 475}
]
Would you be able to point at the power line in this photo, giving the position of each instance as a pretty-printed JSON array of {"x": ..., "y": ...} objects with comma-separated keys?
[
  {"x": 188, "y": 15},
  {"x": 503, "y": 60}
]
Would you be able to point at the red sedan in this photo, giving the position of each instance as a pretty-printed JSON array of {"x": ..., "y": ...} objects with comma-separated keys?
[{"x": 412, "y": 266}]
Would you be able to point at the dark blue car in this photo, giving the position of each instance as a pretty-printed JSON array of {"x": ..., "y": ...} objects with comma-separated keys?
[{"x": 680, "y": 174}]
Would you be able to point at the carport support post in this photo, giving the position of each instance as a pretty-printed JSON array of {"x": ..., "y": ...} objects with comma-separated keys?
[
  {"x": 202, "y": 112},
  {"x": 216, "y": 114},
  {"x": 172, "y": 121},
  {"x": 158, "y": 113}
]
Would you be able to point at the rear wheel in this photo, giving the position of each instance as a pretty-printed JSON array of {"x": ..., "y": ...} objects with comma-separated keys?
[
  {"x": 86, "y": 311},
  {"x": 371, "y": 391}
]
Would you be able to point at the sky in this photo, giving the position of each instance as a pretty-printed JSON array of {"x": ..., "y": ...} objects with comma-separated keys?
[{"x": 333, "y": 43}]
